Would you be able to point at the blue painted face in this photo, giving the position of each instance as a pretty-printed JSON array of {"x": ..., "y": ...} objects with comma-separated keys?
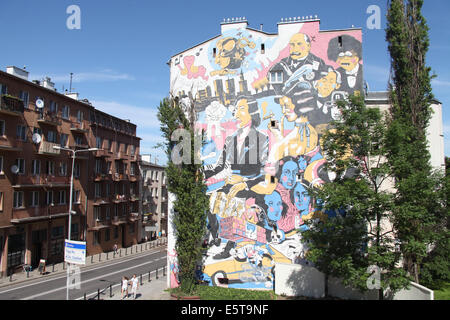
[
  {"x": 301, "y": 199},
  {"x": 289, "y": 174},
  {"x": 275, "y": 206}
]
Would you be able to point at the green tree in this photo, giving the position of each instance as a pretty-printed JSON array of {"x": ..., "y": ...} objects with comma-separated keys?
[
  {"x": 418, "y": 209},
  {"x": 356, "y": 232},
  {"x": 185, "y": 181}
]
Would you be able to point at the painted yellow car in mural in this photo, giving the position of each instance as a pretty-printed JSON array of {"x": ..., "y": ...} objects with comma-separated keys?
[{"x": 237, "y": 270}]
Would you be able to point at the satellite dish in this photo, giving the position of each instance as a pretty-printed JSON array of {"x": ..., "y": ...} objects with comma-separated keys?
[
  {"x": 39, "y": 103},
  {"x": 14, "y": 169},
  {"x": 36, "y": 138}
]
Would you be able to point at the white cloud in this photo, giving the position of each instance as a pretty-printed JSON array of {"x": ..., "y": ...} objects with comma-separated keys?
[
  {"x": 440, "y": 83},
  {"x": 99, "y": 76},
  {"x": 143, "y": 117}
]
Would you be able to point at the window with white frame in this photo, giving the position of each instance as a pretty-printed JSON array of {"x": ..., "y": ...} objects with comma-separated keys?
[
  {"x": 20, "y": 163},
  {"x": 18, "y": 199},
  {"x": 35, "y": 198},
  {"x": 50, "y": 168},
  {"x": 65, "y": 112},
  {"x": 63, "y": 169},
  {"x": 97, "y": 214},
  {"x": 76, "y": 196},
  {"x": 24, "y": 96},
  {"x": 35, "y": 167},
  {"x": 21, "y": 132},
  {"x": 62, "y": 197},
  {"x": 99, "y": 142},
  {"x": 64, "y": 139},
  {"x": 49, "y": 198}
]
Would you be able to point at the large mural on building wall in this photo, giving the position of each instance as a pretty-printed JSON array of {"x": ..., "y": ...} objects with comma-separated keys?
[{"x": 264, "y": 101}]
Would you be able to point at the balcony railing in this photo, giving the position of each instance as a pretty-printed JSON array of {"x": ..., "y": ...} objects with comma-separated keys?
[
  {"x": 78, "y": 127},
  {"x": 46, "y": 147},
  {"x": 11, "y": 105},
  {"x": 49, "y": 118}
]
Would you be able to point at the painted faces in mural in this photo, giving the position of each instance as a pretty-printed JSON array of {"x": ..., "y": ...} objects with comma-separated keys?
[{"x": 265, "y": 101}]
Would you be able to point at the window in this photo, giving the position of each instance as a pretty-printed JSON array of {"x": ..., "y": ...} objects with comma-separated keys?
[
  {"x": 64, "y": 139},
  {"x": 76, "y": 196},
  {"x": 49, "y": 198},
  {"x": 3, "y": 89},
  {"x": 57, "y": 232},
  {"x": 2, "y": 127},
  {"x": 125, "y": 148},
  {"x": 132, "y": 169},
  {"x": 78, "y": 140},
  {"x": 74, "y": 230},
  {"x": 51, "y": 136},
  {"x": 131, "y": 228},
  {"x": 1, "y": 165},
  {"x": 53, "y": 107},
  {"x": 98, "y": 190},
  {"x": 133, "y": 149},
  {"x": 276, "y": 77},
  {"x": 21, "y": 132},
  {"x": 108, "y": 213},
  {"x": 65, "y": 112},
  {"x": 107, "y": 235},
  {"x": 79, "y": 116},
  {"x": 97, "y": 213},
  {"x": 108, "y": 189},
  {"x": 35, "y": 198},
  {"x": 108, "y": 167},
  {"x": 35, "y": 167},
  {"x": 99, "y": 142},
  {"x": 96, "y": 238},
  {"x": 262, "y": 48},
  {"x": 108, "y": 144},
  {"x": 116, "y": 232},
  {"x": 50, "y": 168},
  {"x": 25, "y": 98},
  {"x": 77, "y": 170},
  {"x": 20, "y": 163},
  {"x": 63, "y": 169},
  {"x": 98, "y": 166},
  {"x": 62, "y": 197},
  {"x": 116, "y": 211},
  {"x": 18, "y": 199},
  {"x": 1, "y": 206}
]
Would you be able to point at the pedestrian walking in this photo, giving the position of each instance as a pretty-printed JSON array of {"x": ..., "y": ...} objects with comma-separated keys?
[
  {"x": 115, "y": 248},
  {"x": 134, "y": 285},
  {"x": 124, "y": 286}
]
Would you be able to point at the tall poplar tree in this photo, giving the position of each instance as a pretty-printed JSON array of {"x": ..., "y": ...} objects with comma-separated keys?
[
  {"x": 185, "y": 181},
  {"x": 417, "y": 209},
  {"x": 356, "y": 236}
]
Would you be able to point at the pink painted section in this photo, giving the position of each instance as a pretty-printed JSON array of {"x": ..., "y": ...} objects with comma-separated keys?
[
  {"x": 287, "y": 223},
  {"x": 188, "y": 64}
]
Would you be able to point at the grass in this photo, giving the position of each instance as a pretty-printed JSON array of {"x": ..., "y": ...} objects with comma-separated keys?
[
  {"x": 442, "y": 294},
  {"x": 220, "y": 293}
]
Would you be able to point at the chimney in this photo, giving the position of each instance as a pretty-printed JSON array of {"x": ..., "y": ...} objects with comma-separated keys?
[
  {"x": 18, "y": 72},
  {"x": 48, "y": 84}
]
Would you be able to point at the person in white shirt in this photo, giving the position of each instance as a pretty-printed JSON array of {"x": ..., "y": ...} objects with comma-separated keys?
[
  {"x": 134, "y": 285},
  {"x": 124, "y": 287}
]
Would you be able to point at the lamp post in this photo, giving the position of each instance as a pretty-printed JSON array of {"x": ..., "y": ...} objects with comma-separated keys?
[{"x": 74, "y": 152}]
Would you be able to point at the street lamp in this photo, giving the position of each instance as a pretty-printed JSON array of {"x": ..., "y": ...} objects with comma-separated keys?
[{"x": 74, "y": 152}]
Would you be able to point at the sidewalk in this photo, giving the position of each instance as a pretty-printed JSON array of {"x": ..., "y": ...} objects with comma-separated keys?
[{"x": 153, "y": 290}]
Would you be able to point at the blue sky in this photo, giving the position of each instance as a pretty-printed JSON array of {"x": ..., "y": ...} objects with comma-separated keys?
[{"x": 119, "y": 55}]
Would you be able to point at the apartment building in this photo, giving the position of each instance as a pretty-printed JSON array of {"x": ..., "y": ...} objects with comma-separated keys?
[
  {"x": 154, "y": 200},
  {"x": 35, "y": 176}
]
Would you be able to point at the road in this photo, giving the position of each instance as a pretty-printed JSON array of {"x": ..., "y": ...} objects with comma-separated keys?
[{"x": 92, "y": 278}]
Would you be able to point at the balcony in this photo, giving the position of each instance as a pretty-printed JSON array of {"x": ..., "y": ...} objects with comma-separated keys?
[
  {"x": 102, "y": 177},
  {"x": 118, "y": 198},
  {"x": 46, "y": 148},
  {"x": 133, "y": 216},
  {"x": 11, "y": 105},
  {"x": 10, "y": 145},
  {"x": 40, "y": 213},
  {"x": 135, "y": 158},
  {"x": 99, "y": 224},
  {"x": 101, "y": 201},
  {"x": 49, "y": 118},
  {"x": 121, "y": 155},
  {"x": 42, "y": 180},
  {"x": 134, "y": 198},
  {"x": 78, "y": 128},
  {"x": 102, "y": 153},
  {"x": 119, "y": 220}
]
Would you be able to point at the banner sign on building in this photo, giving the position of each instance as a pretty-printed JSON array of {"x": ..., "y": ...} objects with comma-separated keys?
[{"x": 75, "y": 252}]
